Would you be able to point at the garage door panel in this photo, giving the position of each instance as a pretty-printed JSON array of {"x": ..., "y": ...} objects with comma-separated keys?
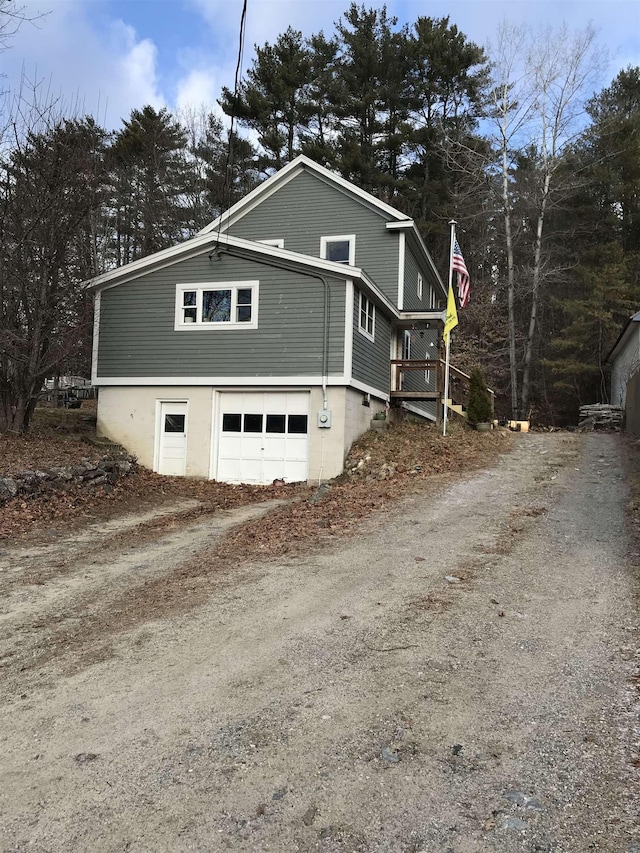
[{"x": 279, "y": 450}]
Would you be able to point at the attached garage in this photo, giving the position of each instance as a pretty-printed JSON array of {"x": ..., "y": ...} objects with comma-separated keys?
[{"x": 262, "y": 437}]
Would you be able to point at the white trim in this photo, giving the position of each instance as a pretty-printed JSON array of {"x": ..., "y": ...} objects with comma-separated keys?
[
  {"x": 406, "y": 345},
  {"x": 339, "y": 238},
  {"x": 402, "y": 225},
  {"x": 214, "y": 442},
  {"x": 420, "y": 287},
  {"x": 222, "y": 381},
  {"x": 401, "y": 261},
  {"x": 369, "y": 389},
  {"x": 371, "y": 336},
  {"x": 278, "y": 243},
  {"x": 199, "y": 287},
  {"x": 349, "y": 299},
  {"x": 96, "y": 338}
]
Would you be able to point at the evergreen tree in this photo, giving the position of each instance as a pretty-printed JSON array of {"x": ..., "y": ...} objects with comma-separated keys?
[
  {"x": 150, "y": 177},
  {"x": 274, "y": 101}
]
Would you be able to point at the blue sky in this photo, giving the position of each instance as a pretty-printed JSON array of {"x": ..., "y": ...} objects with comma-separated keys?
[{"x": 109, "y": 56}]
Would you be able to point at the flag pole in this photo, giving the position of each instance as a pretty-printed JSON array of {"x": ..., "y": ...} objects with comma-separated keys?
[{"x": 452, "y": 224}]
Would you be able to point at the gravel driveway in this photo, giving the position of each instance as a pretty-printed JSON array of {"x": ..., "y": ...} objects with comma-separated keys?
[{"x": 457, "y": 678}]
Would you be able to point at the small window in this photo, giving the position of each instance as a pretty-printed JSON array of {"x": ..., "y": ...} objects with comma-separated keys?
[
  {"x": 406, "y": 346},
  {"x": 229, "y": 305},
  {"x": 419, "y": 286},
  {"x": 253, "y": 423},
  {"x": 366, "y": 323},
  {"x": 339, "y": 249},
  {"x": 174, "y": 423},
  {"x": 433, "y": 299},
  {"x": 275, "y": 423},
  {"x": 231, "y": 423},
  {"x": 297, "y": 425}
]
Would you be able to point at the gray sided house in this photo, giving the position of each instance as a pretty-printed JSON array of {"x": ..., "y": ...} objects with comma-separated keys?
[
  {"x": 261, "y": 348},
  {"x": 624, "y": 360}
]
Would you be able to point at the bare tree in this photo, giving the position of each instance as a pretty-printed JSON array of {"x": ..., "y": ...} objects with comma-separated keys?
[
  {"x": 564, "y": 67},
  {"x": 511, "y": 108},
  {"x": 12, "y": 17}
]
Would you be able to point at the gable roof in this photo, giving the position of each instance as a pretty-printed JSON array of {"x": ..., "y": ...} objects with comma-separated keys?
[
  {"x": 622, "y": 337},
  {"x": 396, "y": 219},
  {"x": 283, "y": 176}
]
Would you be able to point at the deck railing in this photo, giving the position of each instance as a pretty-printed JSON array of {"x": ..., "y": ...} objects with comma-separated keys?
[{"x": 458, "y": 383}]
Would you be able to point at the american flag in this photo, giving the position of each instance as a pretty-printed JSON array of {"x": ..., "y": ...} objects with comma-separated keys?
[{"x": 464, "y": 284}]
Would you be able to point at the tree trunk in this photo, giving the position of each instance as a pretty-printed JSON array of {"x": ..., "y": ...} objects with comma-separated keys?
[{"x": 535, "y": 296}]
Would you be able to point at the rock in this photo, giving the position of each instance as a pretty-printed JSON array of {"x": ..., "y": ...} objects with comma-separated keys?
[
  {"x": 517, "y": 797},
  {"x": 513, "y": 823},
  {"x": 8, "y": 488},
  {"x": 85, "y": 757},
  {"x": 389, "y": 755},
  {"x": 521, "y": 799},
  {"x": 309, "y": 816},
  {"x": 452, "y": 579},
  {"x": 279, "y": 794},
  {"x": 320, "y": 493}
]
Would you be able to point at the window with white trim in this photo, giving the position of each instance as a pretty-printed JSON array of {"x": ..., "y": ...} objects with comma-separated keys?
[
  {"x": 433, "y": 299},
  {"x": 406, "y": 345},
  {"x": 419, "y": 286},
  {"x": 277, "y": 243},
  {"x": 340, "y": 248},
  {"x": 224, "y": 305},
  {"x": 367, "y": 317}
]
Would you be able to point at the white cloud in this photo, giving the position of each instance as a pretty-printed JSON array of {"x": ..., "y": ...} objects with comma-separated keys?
[
  {"x": 199, "y": 87},
  {"x": 105, "y": 71}
]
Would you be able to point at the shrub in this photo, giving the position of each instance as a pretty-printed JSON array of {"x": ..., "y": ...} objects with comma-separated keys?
[{"x": 479, "y": 406}]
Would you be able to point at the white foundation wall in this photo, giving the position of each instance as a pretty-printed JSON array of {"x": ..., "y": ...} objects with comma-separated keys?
[
  {"x": 358, "y": 417},
  {"x": 326, "y": 446},
  {"x": 129, "y": 416}
]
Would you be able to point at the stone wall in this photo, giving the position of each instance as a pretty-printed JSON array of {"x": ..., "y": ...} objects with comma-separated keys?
[{"x": 85, "y": 474}]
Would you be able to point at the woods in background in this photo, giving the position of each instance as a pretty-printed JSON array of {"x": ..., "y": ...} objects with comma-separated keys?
[{"x": 542, "y": 175}]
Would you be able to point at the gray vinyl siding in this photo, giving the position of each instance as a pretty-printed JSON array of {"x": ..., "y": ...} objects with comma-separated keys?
[
  {"x": 414, "y": 380},
  {"x": 411, "y": 270},
  {"x": 306, "y": 209},
  {"x": 371, "y": 358},
  {"x": 137, "y": 336}
]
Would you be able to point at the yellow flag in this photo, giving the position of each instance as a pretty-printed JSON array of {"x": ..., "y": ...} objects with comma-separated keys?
[{"x": 451, "y": 319}]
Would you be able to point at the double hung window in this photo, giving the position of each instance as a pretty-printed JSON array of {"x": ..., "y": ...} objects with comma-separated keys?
[
  {"x": 216, "y": 306},
  {"x": 367, "y": 316}
]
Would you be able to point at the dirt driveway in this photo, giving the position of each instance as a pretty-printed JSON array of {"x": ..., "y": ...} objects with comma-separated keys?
[{"x": 457, "y": 678}]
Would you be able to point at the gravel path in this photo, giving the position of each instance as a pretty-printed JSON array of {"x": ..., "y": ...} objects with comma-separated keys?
[{"x": 458, "y": 678}]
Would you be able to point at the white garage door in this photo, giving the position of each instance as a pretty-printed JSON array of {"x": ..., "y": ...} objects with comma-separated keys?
[{"x": 263, "y": 437}]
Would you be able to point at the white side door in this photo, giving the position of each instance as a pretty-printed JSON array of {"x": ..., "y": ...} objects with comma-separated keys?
[{"x": 172, "y": 439}]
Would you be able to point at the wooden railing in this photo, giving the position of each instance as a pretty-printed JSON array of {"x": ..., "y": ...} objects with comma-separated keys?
[{"x": 458, "y": 383}]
